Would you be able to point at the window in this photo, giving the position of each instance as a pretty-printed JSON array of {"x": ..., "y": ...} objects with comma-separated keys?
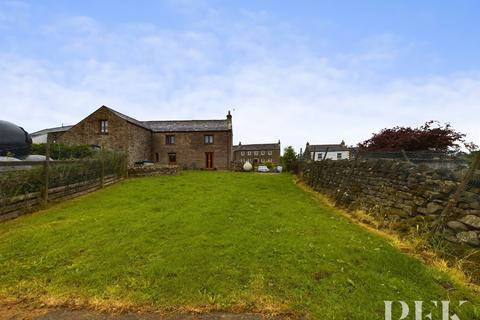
[
  {"x": 208, "y": 139},
  {"x": 262, "y": 153},
  {"x": 242, "y": 153},
  {"x": 270, "y": 160},
  {"x": 262, "y": 160},
  {"x": 319, "y": 156},
  {"x": 172, "y": 158},
  {"x": 255, "y": 153},
  {"x": 170, "y": 139},
  {"x": 339, "y": 155},
  {"x": 269, "y": 153},
  {"x": 249, "y": 153},
  {"x": 103, "y": 126},
  {"x": 157, "y": 158}
]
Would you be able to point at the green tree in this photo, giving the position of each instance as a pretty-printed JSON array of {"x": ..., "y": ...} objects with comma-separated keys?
[{"x": 289, "y": 158}]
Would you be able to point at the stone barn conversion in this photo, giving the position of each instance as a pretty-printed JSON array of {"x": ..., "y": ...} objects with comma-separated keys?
[{"x": 201, "y": 144}]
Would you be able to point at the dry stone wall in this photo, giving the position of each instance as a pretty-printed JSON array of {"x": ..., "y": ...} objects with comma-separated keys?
[
  {"x": 399, "y": 190},
  {"x": 154, "y": 170}
]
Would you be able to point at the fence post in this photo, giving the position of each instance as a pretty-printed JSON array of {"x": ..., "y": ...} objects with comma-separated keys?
[
  {"x": 405, "y": 157},
  {"x": 46, "y": 173},
  {"x": 346, "y": 179},
  {"x": 125, "y": 160},
  {"x": 319, "y": 168},
  {"x": 102, "y": 173},
  {"x": 439, "y": 224}
]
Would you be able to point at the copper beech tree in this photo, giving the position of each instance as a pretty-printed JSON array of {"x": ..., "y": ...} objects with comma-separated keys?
[{"x": 432, "y": 136}]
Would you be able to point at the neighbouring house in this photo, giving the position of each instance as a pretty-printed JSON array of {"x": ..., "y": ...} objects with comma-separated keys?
[
  {"x": 48, "y": 135},
  {"x": 257, "y": 153},
  {"x": 317, "y": 152},
  {"x": 187, "y": 143}
]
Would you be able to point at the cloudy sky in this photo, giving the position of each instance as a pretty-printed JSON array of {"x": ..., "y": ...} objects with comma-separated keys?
[{"x": 317, "y": 71}]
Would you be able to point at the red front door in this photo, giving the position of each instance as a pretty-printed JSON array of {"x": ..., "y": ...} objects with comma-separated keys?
[{"x": 209, "y": 160}]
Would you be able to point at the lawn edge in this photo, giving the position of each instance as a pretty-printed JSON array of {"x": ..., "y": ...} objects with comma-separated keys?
[
  {"x": 429, "y": 258},
  {"x": 40, "y": 305}
]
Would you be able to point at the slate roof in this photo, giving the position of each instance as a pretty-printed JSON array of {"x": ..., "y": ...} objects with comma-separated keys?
[
  {"x": 51, "y": 130},
  {"x": 187, "y": 125},
  {"x": 177, "y": 125},
  {"x": 160, "y": 126},
  {"x": 323, "y": 147},
  {"x": 127, "y": 118},
  {"x": 256, "y": 147}
]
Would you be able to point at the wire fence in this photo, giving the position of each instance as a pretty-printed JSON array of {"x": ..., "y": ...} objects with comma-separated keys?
[
  {"x": 25, "y": 185},
  {"x": 450, "y": 163},
  {"x": 411, "y": 155},
  {"x": 473, "y": 184},
  {"x": 429, "y": 159}
]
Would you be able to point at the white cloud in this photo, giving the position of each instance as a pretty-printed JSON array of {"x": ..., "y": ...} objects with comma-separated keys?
[{"x": 279, "y": 89}]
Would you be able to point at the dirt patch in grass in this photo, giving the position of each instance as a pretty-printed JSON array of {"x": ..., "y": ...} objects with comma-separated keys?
[
  {"x": 33, "y": 311},
  {"x": 18, "y": 310}
]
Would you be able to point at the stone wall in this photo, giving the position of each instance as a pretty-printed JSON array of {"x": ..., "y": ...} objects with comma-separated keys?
[
  {"x": 398, "y": 190},
  {"x": 155, "y": 170},
  {"x": 139, "y": 143},
  {"x": 190, "y": 149},
  {"x": 122, "y": 135}
]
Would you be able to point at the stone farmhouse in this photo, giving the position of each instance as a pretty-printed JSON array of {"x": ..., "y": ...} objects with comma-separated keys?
[
  {"x": 317, "y": 152},
  {"x": 200, "y": 144},
  {"x": 257, "y": 153}
]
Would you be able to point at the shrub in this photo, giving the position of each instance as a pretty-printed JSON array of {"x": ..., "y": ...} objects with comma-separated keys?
[
  {"x": 60, "y": 151},
  {"x": 269, "y": 165},
  {"x": 30, "y": 179}
]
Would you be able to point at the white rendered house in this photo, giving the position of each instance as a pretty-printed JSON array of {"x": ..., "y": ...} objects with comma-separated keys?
[{"x": 317, "y": 152}]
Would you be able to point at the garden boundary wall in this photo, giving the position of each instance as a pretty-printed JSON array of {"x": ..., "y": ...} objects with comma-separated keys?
[
  {"x": 393, "y": 190},
  {"x": 152, "y": 170}
]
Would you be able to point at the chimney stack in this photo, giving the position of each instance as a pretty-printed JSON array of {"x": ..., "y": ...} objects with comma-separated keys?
[{"x": 229, "y": 120}]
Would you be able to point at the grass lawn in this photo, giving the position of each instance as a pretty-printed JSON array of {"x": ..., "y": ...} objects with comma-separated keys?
[{"x": 212, "y": 241}]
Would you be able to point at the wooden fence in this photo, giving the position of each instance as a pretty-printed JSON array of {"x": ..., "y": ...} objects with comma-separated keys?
[{"x": 14, "y": 203}]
